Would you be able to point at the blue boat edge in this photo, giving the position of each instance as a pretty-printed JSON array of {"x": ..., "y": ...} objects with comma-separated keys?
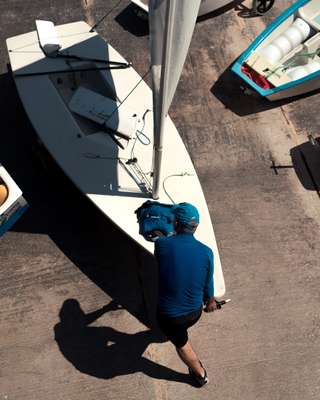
[{"x": 13, "y": 218}]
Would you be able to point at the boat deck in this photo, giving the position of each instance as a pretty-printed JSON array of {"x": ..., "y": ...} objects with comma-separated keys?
[{"x": 265, "y": 342}]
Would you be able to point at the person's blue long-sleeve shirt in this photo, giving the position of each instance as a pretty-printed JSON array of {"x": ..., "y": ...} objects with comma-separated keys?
[{"x": 185, "y": 274}]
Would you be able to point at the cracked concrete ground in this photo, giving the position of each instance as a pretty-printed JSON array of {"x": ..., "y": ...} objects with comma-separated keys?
[{"x": 262, "y": 346}]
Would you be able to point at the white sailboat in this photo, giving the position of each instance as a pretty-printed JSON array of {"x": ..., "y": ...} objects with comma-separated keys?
[{"x": 93, "y": 113}]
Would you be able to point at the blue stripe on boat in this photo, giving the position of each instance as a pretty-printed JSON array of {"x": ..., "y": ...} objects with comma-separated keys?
[
  {"x": 12, "y": 220},
  {"x": 236, "y": 68}
]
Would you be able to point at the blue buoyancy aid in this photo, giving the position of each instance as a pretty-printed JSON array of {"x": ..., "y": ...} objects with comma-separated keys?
[{"x": 155, "y": 219}]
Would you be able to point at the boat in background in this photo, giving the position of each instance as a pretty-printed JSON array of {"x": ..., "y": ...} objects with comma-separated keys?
[
  {"x": 255, "y": 7},
  {"x": 284, "y": 60},
  {"x": 12, "y": 203},
  {"x": 206, "y": 6},
  {"x": 106, "y": 129}
]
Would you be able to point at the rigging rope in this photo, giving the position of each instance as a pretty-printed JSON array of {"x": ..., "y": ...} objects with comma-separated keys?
[
  {"x": 132, "y": 161},
  {"x": 131, "y": 91},
  {"x": 105, "y": 16},
  {"x": 139, "y": 134},
  {"x": 171, "y": 176}
]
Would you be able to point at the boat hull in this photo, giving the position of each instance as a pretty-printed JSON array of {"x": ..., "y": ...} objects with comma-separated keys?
[{"x": 90, "y": 158}]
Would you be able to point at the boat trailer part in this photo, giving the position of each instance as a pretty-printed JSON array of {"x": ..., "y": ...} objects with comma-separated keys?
[
  {"x": 261, "y": 7},
  {"x": 276, "y": 167},
  {"x": 314, "y": 141},
  {"x": 306, "y": 165}
]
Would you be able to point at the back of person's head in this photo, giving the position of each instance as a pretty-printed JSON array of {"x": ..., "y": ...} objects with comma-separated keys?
[{"x": 187, "y": 217}]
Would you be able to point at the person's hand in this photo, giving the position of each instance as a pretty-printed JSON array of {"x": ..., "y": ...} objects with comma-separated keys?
[
  {"x": 112, "y": 306},
  {"x": 211, "y": 305}
]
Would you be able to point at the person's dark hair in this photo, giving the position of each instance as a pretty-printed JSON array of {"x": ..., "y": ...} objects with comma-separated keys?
[{"x": 186, "y": 228}]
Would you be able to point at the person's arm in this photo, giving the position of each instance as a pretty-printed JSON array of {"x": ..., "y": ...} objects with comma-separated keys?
[
  {"x": 93, "y": 316},
  {"x": 211, "y": 305},
  {"x": 208, "y": 295}
]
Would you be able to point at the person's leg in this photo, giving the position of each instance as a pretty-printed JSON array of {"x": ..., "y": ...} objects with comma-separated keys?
[
  {"x": 176, "y": 330},
  {"x": 189, "y": 357}
]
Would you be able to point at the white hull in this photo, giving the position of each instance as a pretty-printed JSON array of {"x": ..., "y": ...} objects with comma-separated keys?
[
  {"x": 297, "y": 90},
  {"x": 87, "y": 155},
  {"x": 206, "y": 6}
]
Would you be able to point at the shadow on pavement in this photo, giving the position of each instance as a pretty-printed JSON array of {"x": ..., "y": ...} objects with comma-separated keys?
[
  {"x": 17, "y": 134},
  {"x": 228, "y": 89},
  {"x": 306, "y": 162},
  {"x": 133, "y": 20},
  {"x": 104, "y": 352},
  {"x": 57, "y": 209},
  {"x": 219, "y": 11}
]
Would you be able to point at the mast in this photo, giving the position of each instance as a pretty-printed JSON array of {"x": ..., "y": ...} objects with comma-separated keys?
[
  {"x": 171, "y": 26},
  {"x": 159, "y": 124}
]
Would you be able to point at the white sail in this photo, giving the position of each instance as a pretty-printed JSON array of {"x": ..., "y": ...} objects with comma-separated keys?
[{"x": 171, "y": 26}]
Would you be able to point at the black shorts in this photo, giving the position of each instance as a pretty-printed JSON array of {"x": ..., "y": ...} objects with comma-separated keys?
[{"x": 176, "y": 328}]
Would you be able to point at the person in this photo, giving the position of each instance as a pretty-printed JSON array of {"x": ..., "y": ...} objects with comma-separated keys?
[{"x": 185, "y": 285}]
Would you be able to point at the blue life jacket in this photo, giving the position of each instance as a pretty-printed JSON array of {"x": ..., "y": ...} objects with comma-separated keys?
[{"x": 155, "y": 219}]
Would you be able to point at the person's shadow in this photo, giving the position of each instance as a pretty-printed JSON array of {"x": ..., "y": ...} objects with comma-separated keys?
[{"x": 104, "y": 352}]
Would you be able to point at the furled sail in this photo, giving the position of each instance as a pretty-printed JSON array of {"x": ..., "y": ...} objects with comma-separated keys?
[{"x": 171, "y": 26}]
